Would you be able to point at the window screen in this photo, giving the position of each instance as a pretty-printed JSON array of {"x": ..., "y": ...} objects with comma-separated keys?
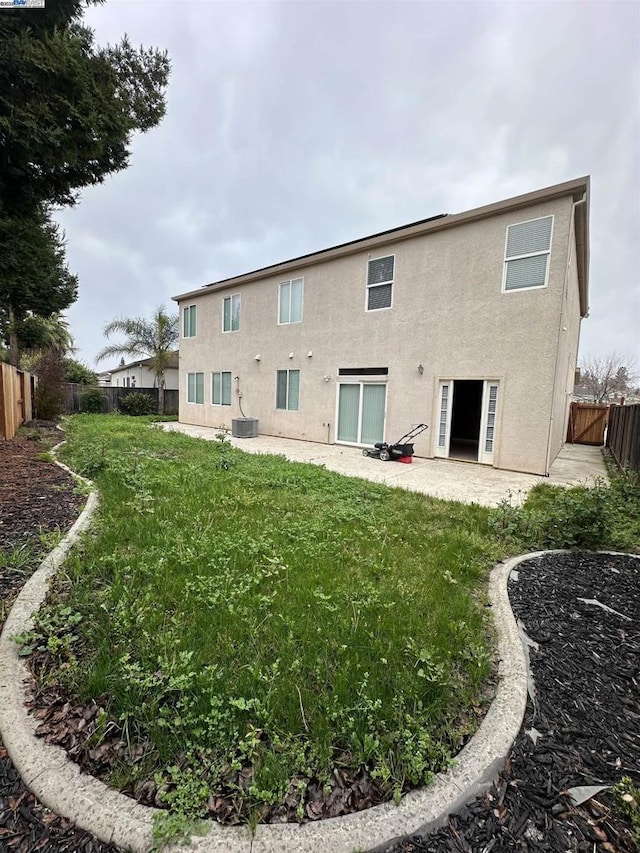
[
  {"x": 221, "y": 388},
  {"x": 380, "y": 283},
  {"x": 231, "y": 313},
  {"x": 290, "y": 303},
  {"x": 189, "y": 322},
  {"x": 288, "y": 390},
  {"x": 527, "y": 253}
]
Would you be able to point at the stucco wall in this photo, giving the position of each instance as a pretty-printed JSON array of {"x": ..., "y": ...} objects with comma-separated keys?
[{"x": 449, "y": 314}]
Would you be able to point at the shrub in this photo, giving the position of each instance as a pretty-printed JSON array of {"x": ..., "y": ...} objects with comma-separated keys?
[
  {"x": 603, "y": 516},
  {"x": 50, "y": 395},
  {"x": 92, "y": 401},
  {"x": 136, "y": 403}
]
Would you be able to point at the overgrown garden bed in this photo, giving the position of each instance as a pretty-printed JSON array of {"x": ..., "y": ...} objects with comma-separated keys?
[{"x": 256, "y": 639}]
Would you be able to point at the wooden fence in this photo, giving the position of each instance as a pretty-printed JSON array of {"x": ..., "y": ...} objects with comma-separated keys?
[
  {"x": 587, "y": 423},
  {"x": 111, "y": 396},
  {"x": 16, "y": 399},
  {"x": 623, "y": 436}
]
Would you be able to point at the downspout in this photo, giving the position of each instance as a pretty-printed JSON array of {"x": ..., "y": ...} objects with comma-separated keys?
[{"x": 560, "y": 323}]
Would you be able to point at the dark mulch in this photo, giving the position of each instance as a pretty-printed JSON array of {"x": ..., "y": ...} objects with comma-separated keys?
[
  {"x": 36, "y": 497},
  {"x": 581, "y": 728}
]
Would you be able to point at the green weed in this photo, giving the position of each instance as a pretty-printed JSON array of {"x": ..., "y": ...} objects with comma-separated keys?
[
  {"x": 170, "y": 828},
  {"x": 53, "y": 631},
  {"x": 19, "y": 561},
  {"x": 626, "y": 796},
  {"x": 605, "y": 516}
]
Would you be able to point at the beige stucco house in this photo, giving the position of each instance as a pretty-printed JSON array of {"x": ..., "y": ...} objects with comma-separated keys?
[{"x": 468, "y": 322}]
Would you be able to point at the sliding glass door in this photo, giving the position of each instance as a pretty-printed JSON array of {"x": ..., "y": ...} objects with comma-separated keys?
[{"x": 361, "y": 412}]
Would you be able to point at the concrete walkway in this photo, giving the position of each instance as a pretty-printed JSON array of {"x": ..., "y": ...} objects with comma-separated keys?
[{"x": 466, "y": 482}]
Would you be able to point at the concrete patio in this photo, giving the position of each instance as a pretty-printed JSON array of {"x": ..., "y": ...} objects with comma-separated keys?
[{"x": 466, "y": 482}]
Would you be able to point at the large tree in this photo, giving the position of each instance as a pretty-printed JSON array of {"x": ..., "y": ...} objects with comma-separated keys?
[
  {"x": 68, "y": 110},
  {"x": 155, "y": 339},
  {"x": 67, "y": 107},
  {"x": 35, "y": 283}
]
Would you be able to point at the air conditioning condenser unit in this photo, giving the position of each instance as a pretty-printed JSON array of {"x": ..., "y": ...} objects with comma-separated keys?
[{"x": 244, "y": 427}]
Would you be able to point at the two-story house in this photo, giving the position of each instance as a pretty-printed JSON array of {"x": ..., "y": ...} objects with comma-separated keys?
[{"x": 468, "y": 322}]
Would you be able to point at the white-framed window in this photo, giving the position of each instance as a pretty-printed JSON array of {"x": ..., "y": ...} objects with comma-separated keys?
[
  {"x": 290, "y": 296},
  {"x": 189, "y": 321},
  {"x": 526, "y": 254},
  {"x": 380, "y": 282},
  {"x": 231, "y": 313},
  {"x": 288, "y": 390},
  {"x": 195, "y": 387},
  {"x": 221, "y": 388}
]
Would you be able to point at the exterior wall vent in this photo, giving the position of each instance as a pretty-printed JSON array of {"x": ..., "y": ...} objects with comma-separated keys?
[{"x": 244, "y": 427}]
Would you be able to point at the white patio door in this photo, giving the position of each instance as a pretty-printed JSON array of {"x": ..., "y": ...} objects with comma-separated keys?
[
  {"x": 445, "y": 407},
  {"x": 488, "y": 419},
  {"x": 361, "y": 412},
  {"x": 488, "y": 422}
]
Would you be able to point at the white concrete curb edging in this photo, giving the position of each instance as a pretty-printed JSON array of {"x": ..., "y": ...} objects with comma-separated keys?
[{"x": 115, "y": 818}]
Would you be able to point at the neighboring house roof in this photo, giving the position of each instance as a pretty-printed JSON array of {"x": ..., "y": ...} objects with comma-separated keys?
[
  {"x": 578, "y": 189},
  {"x": 146, "y": 362}
]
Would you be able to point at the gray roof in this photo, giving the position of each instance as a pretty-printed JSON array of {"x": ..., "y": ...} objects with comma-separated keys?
[{"x": 146, "y": 362}]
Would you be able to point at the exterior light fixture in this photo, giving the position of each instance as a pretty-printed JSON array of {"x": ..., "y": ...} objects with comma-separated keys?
[
  {"x": 420, "y": 369},
  {"x": 290, "y": 355},
  {"x": 256, "y": 357},
  {"x": 310, "y": 353}
]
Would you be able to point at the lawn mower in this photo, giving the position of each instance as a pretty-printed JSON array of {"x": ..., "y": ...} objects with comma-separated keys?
[{"x": 401, "y": 451}]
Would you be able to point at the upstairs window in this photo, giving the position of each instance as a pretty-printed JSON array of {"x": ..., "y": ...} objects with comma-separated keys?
[
  {"x": 380, "y": 283},
  {"x": 231, "y": 313},
  {"x": 221, "y": 388},
  {"x": 189, "y": 321},
  {"x": 526, "y": 260},
  {"x": 195, "y": 387},
  {"x": 290, "y": 301},
  {"x": 288, "y": 390}
]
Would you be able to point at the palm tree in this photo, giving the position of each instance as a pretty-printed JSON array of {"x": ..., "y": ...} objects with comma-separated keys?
[
  {"x": 156, "y": 339},
  {"x": 35, "y": 334}
]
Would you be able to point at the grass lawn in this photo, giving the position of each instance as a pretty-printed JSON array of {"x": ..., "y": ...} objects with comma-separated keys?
[{"x": 250, "y": 615}]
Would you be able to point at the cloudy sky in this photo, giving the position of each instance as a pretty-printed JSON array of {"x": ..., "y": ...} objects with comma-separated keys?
[{"x": 293, "y": 126}]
